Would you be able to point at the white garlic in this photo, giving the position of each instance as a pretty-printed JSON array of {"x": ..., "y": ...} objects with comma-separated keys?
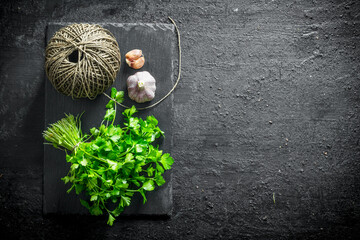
[{"x": 141, "y": 87}]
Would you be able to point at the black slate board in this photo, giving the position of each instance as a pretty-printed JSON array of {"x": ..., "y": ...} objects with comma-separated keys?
[{"x": 158, "y": 44}]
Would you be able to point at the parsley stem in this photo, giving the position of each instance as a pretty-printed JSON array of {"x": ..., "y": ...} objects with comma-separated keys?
[
  {"x": 124, "y": 153},
  {"x": 100, "y": 159},
  {"x": 130, "y": 190},
  {"x": 112, "y": 123}
]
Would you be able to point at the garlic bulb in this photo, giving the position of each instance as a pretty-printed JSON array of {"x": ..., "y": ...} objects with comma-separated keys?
[{"x": 141, "y": 87}]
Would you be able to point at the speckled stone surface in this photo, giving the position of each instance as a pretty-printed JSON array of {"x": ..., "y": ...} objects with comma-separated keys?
[{"x": 265, "y": 127}]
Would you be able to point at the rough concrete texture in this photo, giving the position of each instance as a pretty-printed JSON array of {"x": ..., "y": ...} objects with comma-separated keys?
[{"x": 266, "y": 129}]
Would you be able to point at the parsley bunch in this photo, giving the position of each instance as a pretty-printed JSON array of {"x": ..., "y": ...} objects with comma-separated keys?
[{"x": 113, "y": 162}]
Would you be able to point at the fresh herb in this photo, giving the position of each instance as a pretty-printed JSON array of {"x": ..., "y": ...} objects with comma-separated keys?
[{"x": 113, "y": 162}]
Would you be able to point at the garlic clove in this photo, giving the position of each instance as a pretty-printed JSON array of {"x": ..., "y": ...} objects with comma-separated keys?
[
  {"x": 150, "y": 94},
  {"x": 135, "y": 59},
  {"x": 137, "y": 64},
  {"x": 132, "y": 82},
  {"x": 133, "y": 54}
]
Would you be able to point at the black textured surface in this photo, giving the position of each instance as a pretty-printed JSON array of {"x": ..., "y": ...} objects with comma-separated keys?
[
  {"x": 266, "y": 120},
  {"x": 157, "y": 42}
]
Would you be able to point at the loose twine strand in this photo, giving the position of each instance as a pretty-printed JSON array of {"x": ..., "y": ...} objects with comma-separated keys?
[
  {"x": 94, "y": 70},
  {"x": 176, "y": 83}
]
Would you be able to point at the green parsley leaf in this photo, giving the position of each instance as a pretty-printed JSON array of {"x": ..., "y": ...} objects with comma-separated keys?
[
  {"x": 95, "y": 210},
  {"x": 139, "y": 148},
  {"x": 129, "y": 112},
  {"x": 117, "y": 211},
  {"x": 110, "y": 104},
  {"x": 94, "y": 147},
  {"x": 152, "y": 121},
  {"x": 111, "y": 220},
  {"x": 85, "y": 203},
  {"x": 129, "y": 157},
  {"x": 166, "y": 161},
  {"x": 71, "y": 188},
  {"x": 150, "y": 171},
  {"x": 68, "y": 158},
  {"x": 79, "y": 188},
  {"x": 119, "y": 97},
  {"x": 121, "y": 183},
  {"x": 92, "y": 183},
  {"x": 94, "y": 131},
  {"x": 84, "y": 162},
  {"x": 125, "y": 201},
  {"x": 149, "y": 185},
  {"x": 115, "y": 138},
  {"x": 93, "y": 198},
  {"x": 113, "y": 92},
  {"x": 141, "y": 191},
  {"x": 66, "y": 179},
  {"x": 159, "y": 180},
  {"x": 74, "y": 166},
  {"x": 113, "y": 165},
  {"x": 110, "y": 114},
  {"x": 159, "y": 168},
  {"x": 115, "y": 192}
]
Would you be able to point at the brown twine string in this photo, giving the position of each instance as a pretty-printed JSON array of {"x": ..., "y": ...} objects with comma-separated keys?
[
  {"x": 176, "y": 82},
  {"x": 96, "y": 66}
]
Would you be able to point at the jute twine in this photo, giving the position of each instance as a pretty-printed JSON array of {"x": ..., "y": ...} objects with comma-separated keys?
[{"x": 82, "y": 60}]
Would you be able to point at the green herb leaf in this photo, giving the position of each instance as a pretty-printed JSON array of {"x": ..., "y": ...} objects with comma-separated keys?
[
  {"x": 110, "y": 104},
  {"x": 66, "y": 179},
  {"x": 125, "y": 201},
  {"x": 79, "y": 188},
  {"x": 102, "y": 128},
  {"x": 149, "y": 185},
  {"x": 115, "y": 138},
  {"x": 111, "y": 220},
  {"x": 85, "y": 203},
  {"x": 139, "y": 148},
  {"x": 159, "y": 168},
  {"x": 159, "y": 180},
  {"x": 121, "y": 183},
  {"x": 95, "y": 210},
  {"x": 117, "y": 211},
  {"x": 129, "y": 157},
  {"x": 130, "y": 111},
  {"x": 110, "y": 114},
  {"x": 74, "y": 166},
  {"x": 141, "y": 191},
  {"x": 167, "y": 161},
  {"x": 150, "y": 171},
  {"x": 93, "y": 198},
  {"x": 84, "y": 162},
  {"x": 68, "y": 158},
  {"x": 94, "y": 131},
  {"x": 119, "y": 97},
  {"x": 113, "y": 92},
  {"x": 152, "y": 121},
  {"x": 71, "y": 188}
]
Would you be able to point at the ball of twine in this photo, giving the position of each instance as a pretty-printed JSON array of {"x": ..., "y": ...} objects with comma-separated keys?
[{"x": 82, "y": 60}]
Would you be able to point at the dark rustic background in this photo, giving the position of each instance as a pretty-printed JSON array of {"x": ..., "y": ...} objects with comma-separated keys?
[{"x": 266, "y": 120}]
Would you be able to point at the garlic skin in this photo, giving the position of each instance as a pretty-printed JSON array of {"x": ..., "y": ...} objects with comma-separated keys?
[
  {"x": 135, "y": 59},
  {"x": 141, "y": 87}
]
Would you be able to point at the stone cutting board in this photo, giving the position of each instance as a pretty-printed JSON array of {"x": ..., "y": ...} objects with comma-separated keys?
[{"x": 158, "y": 42}]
